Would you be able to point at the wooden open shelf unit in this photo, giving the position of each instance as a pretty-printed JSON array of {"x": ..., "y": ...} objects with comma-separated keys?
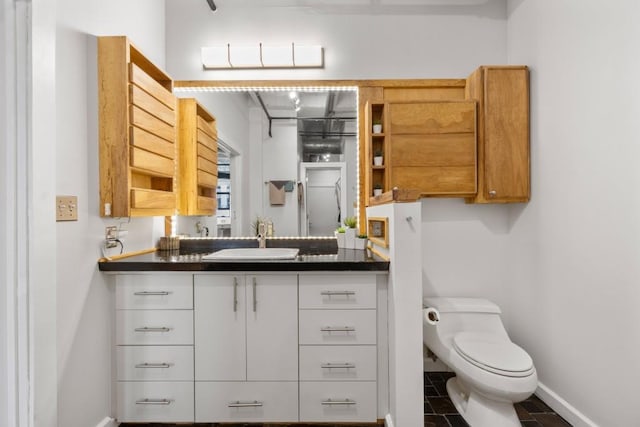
[
  {"x": 198, "y": 147},
  {"x": 137, "y": 132}
]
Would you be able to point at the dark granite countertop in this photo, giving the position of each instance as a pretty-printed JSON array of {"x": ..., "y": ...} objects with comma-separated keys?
[{"x": 189, "y": 258}]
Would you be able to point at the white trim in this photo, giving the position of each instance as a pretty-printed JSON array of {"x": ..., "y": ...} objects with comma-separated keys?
[
  {"x": 388, "y": 421},
  {"x": 107, "y": 422},
  {"x": 563, "y": 408}
]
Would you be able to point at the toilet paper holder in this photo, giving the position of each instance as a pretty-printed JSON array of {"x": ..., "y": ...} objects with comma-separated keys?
[{"x": 431, "y": 315}]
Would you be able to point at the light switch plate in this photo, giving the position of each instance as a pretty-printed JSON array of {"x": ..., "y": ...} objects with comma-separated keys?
[{"x": 66, "y": 208}]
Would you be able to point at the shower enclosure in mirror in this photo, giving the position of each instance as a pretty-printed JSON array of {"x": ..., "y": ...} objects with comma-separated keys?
[{"x": 289, "y": 156}]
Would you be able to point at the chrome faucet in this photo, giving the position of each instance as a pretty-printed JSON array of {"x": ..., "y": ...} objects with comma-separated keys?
[{"x": 262, "y": 234}]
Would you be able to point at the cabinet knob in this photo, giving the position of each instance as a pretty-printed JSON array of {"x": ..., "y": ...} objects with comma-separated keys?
[{"x": 493, "y": 193}]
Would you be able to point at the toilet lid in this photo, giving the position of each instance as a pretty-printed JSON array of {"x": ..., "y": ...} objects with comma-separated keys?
[{"x": 493, "y": 354}]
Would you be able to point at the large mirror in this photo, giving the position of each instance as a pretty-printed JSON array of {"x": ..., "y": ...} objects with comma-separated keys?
[{"x": 287, "y": 156}]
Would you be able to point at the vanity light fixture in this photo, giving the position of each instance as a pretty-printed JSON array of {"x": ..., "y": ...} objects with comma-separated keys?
[{"x": 262, "y": 56}]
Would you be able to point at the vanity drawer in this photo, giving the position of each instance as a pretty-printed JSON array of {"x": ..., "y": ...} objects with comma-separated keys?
[
  {"x": 337, "y": 291},
  {"x": 154, "y": 363},
  {"x": 154, "y": 327},
  {"x": 338, "y": 363},
  {"x": 153, "y": 401},
  {"x": 247, "y": 401},
  {"x": 337, "y": 327},
  {"x": 154, "y": 291},
  {"x": 338, "y": 401}
]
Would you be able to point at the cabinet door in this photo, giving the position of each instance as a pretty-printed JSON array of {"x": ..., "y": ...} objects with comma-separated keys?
[
  {"x": 506, "y": 126},
  {"x": 219, "y": 317},
  {"x": 272, "y": 327},
  {"x": 433, "y": 147}
]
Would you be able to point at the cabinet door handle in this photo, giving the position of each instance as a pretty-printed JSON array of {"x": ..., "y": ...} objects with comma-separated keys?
[
  {"x": 239, "y": 404},
  {"x": 150, "y": 329},
  {"x": 338, "y": 365},
  {"x": 153, "y": 402},
  {"x": 336, "y": 293},
  {"x": 153, "y": 365},
  {"x": 339, "y": 402},
  {"x": 493, "y": 193},
  {"x": 235, "y": 294},
  {"x": 255, "y": 301},
  {"x": 151, "y": 293},
  {"x": 338, "y": 329}
]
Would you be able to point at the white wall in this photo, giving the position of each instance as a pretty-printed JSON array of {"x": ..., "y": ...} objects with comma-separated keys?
[
  {"x": 7, "y": 343},
  {"x": 280, "y": 162},
  {"x": 573, "y": 253},
  {"x": 83, "y": 293},
  {"x": 231, "y": 110},
  {"x": 450, "y": 42}
]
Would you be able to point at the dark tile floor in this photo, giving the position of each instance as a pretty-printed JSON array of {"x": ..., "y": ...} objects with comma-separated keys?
[{"x": 440, "y": 412}]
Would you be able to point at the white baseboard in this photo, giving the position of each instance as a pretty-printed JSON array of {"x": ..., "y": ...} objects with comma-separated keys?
[
  {"x": 563, "y": 408},
  {"x": 388, "y": 422},
  {"x": 107, "y": 422}
]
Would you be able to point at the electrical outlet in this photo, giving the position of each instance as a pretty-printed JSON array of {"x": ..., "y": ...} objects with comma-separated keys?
[
  {"x": 66, "y": 208},
  {"x": 110, "y": 236}
]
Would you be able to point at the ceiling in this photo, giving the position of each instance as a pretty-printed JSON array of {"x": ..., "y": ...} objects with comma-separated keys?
[
  {"x": 319, "y": 126},
  {"x": 383, "y": 7}
]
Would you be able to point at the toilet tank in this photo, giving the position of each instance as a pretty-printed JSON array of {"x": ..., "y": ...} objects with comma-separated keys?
[{"x": 463, "y": 314}]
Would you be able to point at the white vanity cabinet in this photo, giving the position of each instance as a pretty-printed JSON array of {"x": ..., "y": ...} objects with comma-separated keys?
[
  {"x": 246, "y": 353},
  {"x": 154, "y": 347},
  {"x": 338, "y": 347},
  {"x": 227, "y": 347}
]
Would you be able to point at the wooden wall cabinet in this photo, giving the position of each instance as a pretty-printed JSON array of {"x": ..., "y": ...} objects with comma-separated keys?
[
  {"x": 432, "y": 147},
  {"x": 137, "y": 132},
  {"x": 502, "y": 93},
  {"x": 198, "y": 163}
]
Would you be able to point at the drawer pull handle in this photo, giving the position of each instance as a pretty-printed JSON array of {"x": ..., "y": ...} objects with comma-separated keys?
[
  {"x": 255, "y": 301},
  {"x": 152, "y": 293},
  {"x": 148, "y": 329},
  {"x": 235, "y": 294},
  {"x": 153, "y": 402},
  {"x": 335, "y": 293},
  {"x": 153, "y": 365},
  {"x": 338, "y": 365},
  {"x": 339, "y": 402},
  {"x": 338, "y": 329},
  {"x": 239, "y": 404}
]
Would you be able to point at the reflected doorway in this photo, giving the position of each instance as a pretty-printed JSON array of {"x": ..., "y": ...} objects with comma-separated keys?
[{"x": 325, "y": 197}]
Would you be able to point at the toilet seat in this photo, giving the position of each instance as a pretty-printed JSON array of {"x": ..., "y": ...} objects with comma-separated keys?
[{"x": 494, "y": 354}]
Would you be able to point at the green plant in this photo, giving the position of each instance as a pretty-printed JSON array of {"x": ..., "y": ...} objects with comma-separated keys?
[
  {"x": 377, "y": 186},
  {"x": 350, "y": 221},
  {"x": 340, "y": 230},
  {"x": 362, "y": 236},
  {"x": 255, "y": 226},
  {"x": 377, "y": 153},
  {"x": 377, "y": 121}
]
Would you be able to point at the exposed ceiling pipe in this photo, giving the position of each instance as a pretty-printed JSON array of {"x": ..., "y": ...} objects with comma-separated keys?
[
  {"x": 212, "y": 5},
  {"x": 329, "y": 108}
]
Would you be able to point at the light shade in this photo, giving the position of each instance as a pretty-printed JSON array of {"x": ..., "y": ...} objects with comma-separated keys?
[
  {"x": 245, "y": 56},
  {"x": 215, "y": 56},
  {"x": 308, "y": 56},
  {"x": 277, "y": 56},
  {"x": 262, "y": 56}
]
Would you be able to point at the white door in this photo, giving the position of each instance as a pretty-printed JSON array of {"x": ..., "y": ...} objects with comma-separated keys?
[
  {"x": 325, "y": 207},
  {"x": 219, "y": 327},
  {"x": 272, "y": 328}
]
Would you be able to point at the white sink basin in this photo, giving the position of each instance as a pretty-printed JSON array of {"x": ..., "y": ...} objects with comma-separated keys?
[{"x": 253, "y": 253}]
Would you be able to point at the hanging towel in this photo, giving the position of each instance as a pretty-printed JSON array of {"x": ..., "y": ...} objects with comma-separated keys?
[
  {"x": 300, "y": 194},
  {"x": 276, "y": 192}
]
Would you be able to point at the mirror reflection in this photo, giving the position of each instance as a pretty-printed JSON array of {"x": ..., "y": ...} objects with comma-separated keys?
[{"x": 287, "y": 157}]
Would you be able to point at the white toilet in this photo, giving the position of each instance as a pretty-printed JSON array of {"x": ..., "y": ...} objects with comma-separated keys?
[{"x": 492, "y": 373}]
